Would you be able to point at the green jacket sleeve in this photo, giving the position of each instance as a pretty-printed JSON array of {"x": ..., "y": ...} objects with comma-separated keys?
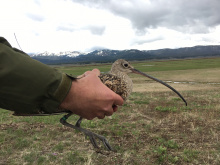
[{"x": 28, "y": 86}]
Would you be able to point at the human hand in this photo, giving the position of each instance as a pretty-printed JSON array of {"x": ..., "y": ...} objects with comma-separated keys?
[{"x": 90, "y": 98}]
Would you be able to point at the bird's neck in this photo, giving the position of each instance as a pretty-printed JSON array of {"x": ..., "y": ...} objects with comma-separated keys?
[{"x": 119, "y": 74}]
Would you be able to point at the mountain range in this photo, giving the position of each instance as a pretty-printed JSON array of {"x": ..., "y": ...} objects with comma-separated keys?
[{"x": 106, "y": 55}]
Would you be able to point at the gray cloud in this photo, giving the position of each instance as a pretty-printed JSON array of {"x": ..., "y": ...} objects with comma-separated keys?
[
  {"x": 209, "y": 40},
  {"x": 96, "y": 30},
  {"x": 143, "y": 41},
  {"x": 37, "y": 2},
  {"x": 189, "y": 16},
  {"x": 68, "y": 28},
  {"x": 35, "y": 17},
  {"x": 96, "y": 48}
]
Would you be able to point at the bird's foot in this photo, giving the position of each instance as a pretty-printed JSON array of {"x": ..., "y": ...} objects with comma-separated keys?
[{"x": 92, "y": 136}]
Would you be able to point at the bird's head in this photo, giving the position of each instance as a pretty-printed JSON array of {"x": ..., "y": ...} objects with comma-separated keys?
[
  {"x": 121, "y": 66},
  {"x": 124, "y": 66}
]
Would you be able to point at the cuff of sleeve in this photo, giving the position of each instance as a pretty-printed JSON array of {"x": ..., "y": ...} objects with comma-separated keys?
[
  {"x": 51, "y": 106},
  {"x": 63, "y": 88}
]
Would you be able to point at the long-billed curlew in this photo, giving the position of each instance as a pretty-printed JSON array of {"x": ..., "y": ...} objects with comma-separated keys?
[{"x": 118, "y": 81}]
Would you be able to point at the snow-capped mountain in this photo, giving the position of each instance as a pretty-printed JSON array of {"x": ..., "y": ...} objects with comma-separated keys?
[
  {"x": 107, "y": 55},
  {"x": 104, "y": 52},
  {"x": 66, "y": 53}
]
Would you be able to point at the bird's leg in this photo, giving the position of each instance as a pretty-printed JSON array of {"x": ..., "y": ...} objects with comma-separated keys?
[
  {"x": 88, "y": 133},
  {"x": 78, "y": 122}
]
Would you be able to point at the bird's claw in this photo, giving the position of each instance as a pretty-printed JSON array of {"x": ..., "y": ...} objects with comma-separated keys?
[{"x": 92, "y": 136}]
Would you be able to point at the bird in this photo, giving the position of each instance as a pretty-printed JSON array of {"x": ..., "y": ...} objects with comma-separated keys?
[{"x": 117, "y": 80}]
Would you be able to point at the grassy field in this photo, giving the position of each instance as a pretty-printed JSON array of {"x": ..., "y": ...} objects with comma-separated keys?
[{"x": 157, "y": 128}]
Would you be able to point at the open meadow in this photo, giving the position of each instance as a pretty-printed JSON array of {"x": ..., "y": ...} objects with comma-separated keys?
[{"x": 153, "y": 127}]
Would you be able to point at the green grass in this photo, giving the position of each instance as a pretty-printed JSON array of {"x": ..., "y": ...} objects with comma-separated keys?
[
  {"x": 190, "y": 155},
  {"x": 152, "y": 127},
  {"x": 166, "y": 109},
  {"x": 178, "y": 64},
  {"x": 151, "y": 66}
]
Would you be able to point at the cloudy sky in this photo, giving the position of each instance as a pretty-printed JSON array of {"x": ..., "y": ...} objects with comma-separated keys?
[{"x": 85, "y": 25}]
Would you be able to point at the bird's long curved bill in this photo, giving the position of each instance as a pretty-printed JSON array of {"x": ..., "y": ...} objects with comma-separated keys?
[{"x": 155, "y": 79}]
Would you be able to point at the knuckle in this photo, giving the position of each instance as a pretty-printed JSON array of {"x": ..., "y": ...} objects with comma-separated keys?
[
  {"x": 101, "y": 116},
  {"x": 108, "y": 110},
  {"x": 96, "y": 70},
  {"x": 89, "y": 117},
  {"x": 110, "y": 96},
  {"x": 109, "y": 113},
  {"x": 87, "y": 72}
]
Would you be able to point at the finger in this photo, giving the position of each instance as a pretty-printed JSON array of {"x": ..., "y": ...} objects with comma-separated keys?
[
  {"x": 101, "y": 116},
  {"x": 118, "y": 100},
  {"x": 96, "y": 71},
  {"x": 89, "y": 118},
  {"x": 110, "y": 112},
  {"x": 87, "y": 73}
]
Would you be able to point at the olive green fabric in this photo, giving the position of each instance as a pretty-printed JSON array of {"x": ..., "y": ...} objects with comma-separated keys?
[{"x": 28, "y": 86}]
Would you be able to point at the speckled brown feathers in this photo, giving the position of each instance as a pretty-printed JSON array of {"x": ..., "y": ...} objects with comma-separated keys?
[{"x": 116, "y": 84}]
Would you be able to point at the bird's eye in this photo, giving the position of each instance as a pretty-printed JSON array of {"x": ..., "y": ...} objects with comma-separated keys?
[{"x": 126, "y": 65}]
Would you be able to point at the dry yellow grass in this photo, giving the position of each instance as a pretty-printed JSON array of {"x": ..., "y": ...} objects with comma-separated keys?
[
  {"x": 153, "y": 127},
  {"x": 187, "y": 80}
]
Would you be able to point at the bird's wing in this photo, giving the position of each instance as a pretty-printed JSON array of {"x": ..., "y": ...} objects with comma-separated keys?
[{"x": 115, "y": 83}]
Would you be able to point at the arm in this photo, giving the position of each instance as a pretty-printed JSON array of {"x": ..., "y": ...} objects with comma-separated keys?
[{"x": 30, "y": 87}]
